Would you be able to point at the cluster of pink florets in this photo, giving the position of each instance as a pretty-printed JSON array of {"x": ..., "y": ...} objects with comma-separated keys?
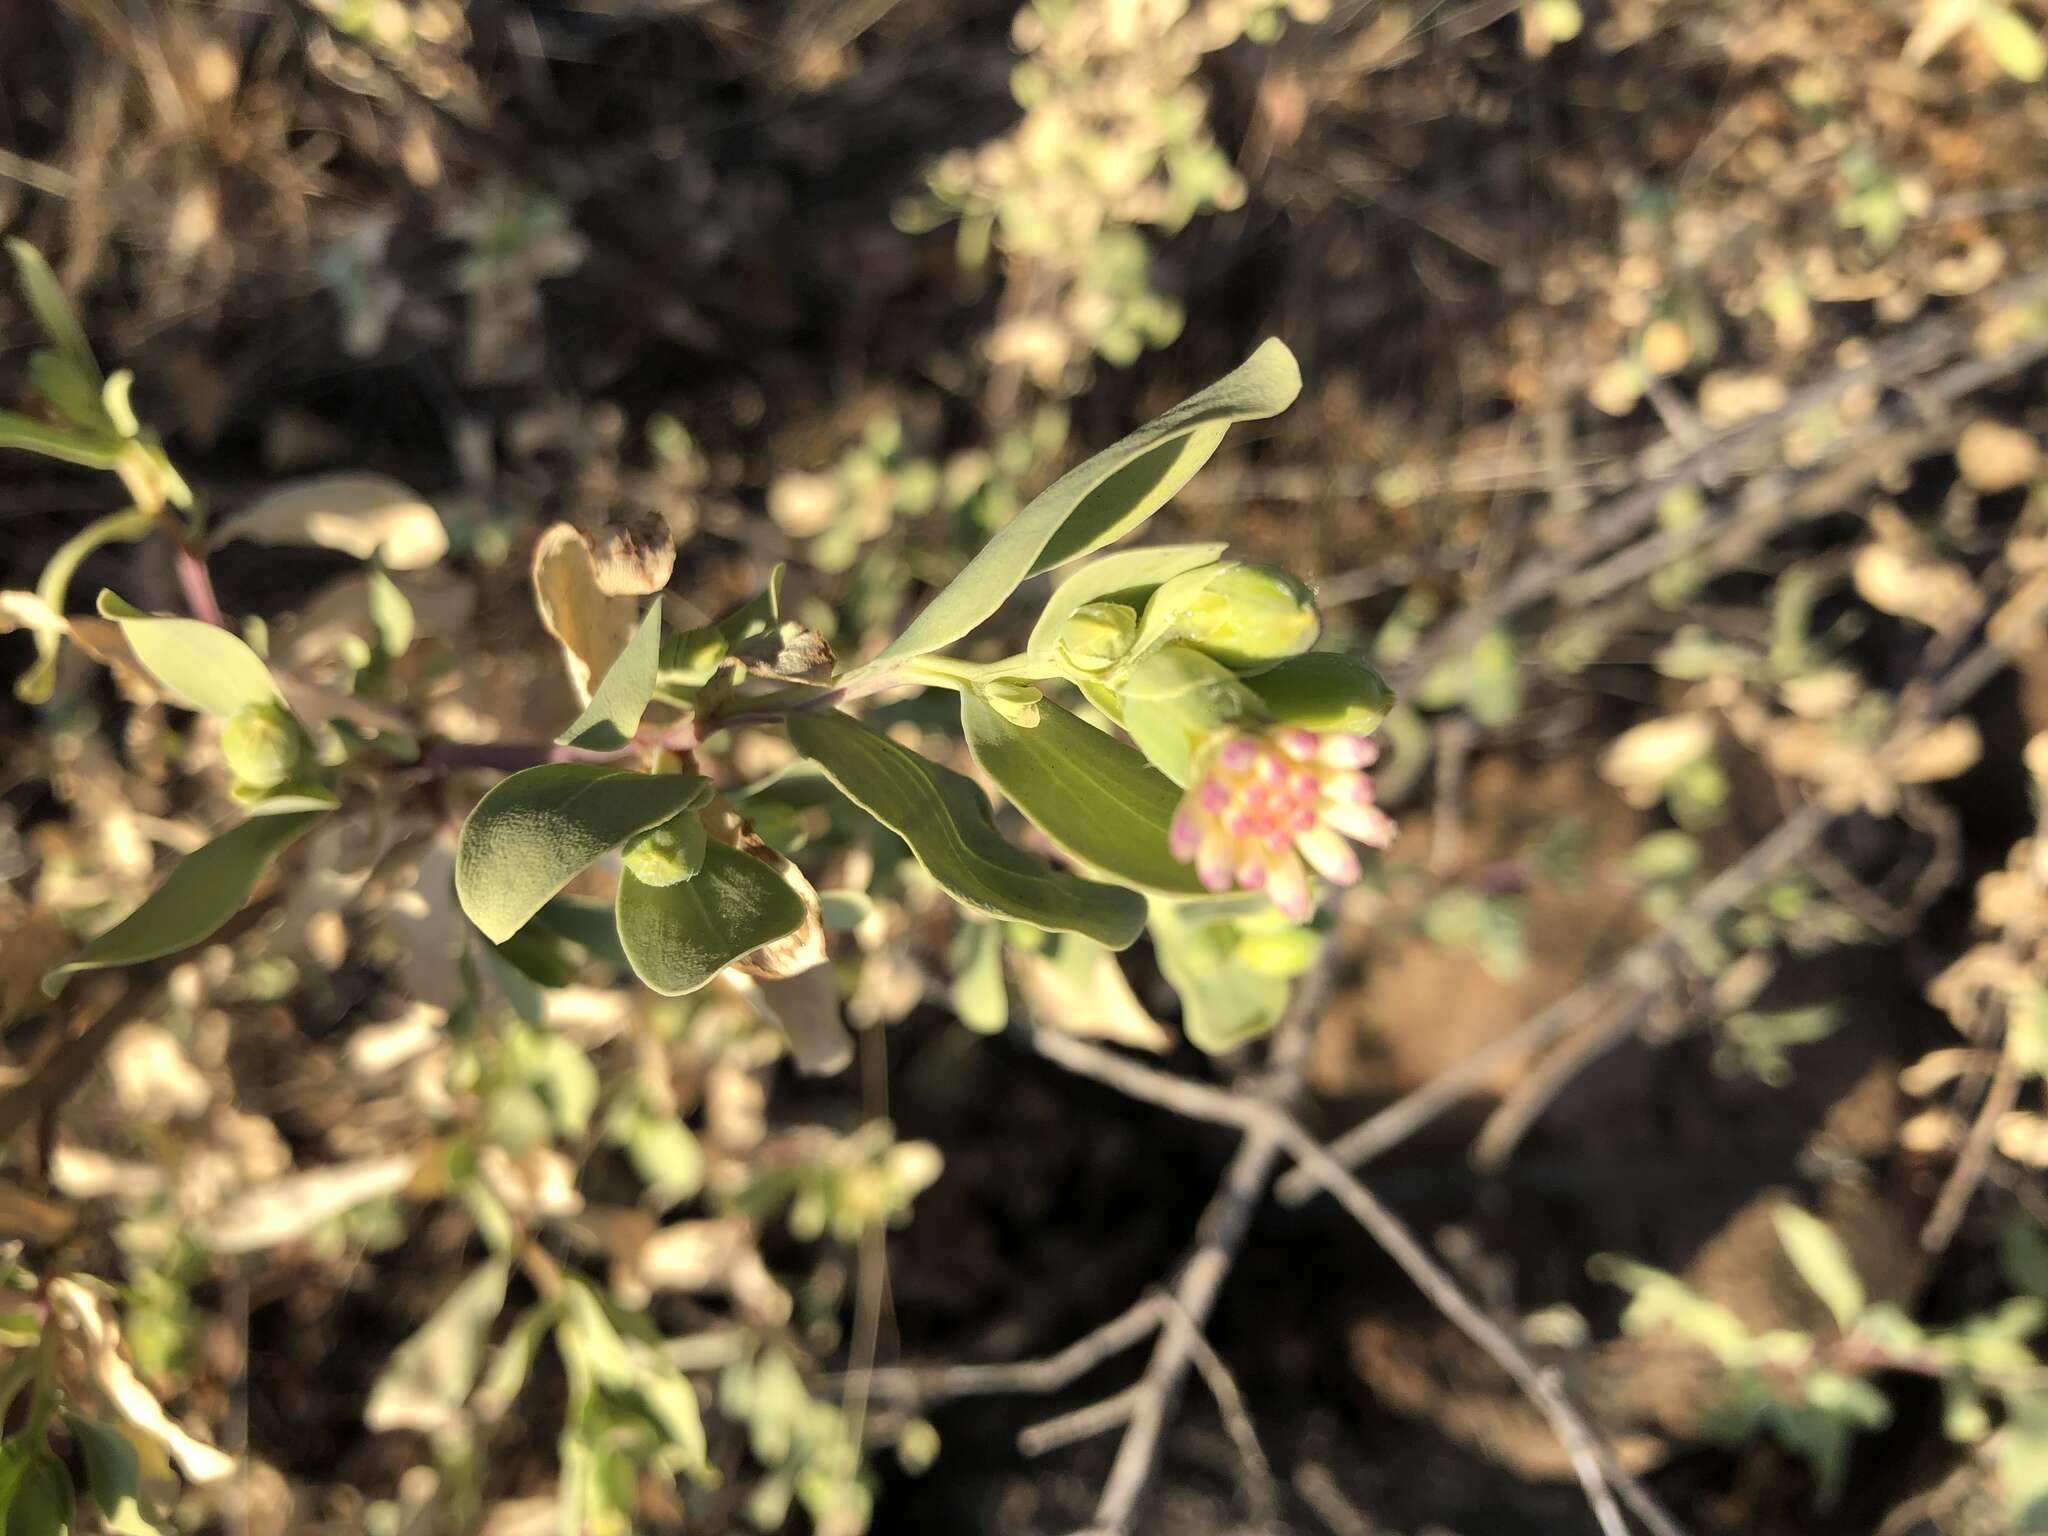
[{"x": 1260, "y": 804}]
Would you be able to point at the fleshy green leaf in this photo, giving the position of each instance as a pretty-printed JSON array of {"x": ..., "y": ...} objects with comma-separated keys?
[
  {"x": 45, "y": 296},
  {"x": 617, "y": 703},
  {"x": 390, "y": 614},
  {"x": 65, "y": 443},
  {"x": 1125, "y": 571},
  {"x": 44, "y": 1504},
  {"x": 540, "y": 828},
  {"x": 201, "y": 666},
  {"x": 1224, "y": 1002},
  {"x": 680, "y": 936},
  {"x": 981, "y": 993},
  {"x": 946, "y": 822},
  {"x": 1098, "y": 800},
  {"x": 54, "y": 588},
  {"x": 513, "y": 1363},
  {"x": 207, "y": 888},
  {"x": 431, "y": 1374},
  {"x": 1099, "y": 501},
  {"x": 1823, "y": 1263},
  {"x": 112, "y": 1474}
]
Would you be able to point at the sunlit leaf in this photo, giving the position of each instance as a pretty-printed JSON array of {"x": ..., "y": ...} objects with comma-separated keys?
[
  {"x": 1099, "y": 501},
  {"x": 680, "y": 936},
  {"x": 430, "y": 1375},
  {"x": 1225, "y": 1003},
  {"x": 981, "y": 994},
  {"x": 201, "y": 666},
  {"x": 946, "y": 822},
  {"x": 372, "y": 517},
  {"x": 540, "y": 828},
  {"x": 1097, "y": 799},
  {"x": 1823, "y": 1263},
  {"x": 620, "y": 699},
  {"x": 207, "y": 888}
]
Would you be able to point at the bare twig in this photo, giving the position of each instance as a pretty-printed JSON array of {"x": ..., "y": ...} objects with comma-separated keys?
[
  {"x": 1097, "y": 1418},
  {"x": 1262, "y": 1493},
  {"x": 1218, "y": 1237},
  {"x": 907, "y": 1385},
  {"x": 1600, "y": 1472}
]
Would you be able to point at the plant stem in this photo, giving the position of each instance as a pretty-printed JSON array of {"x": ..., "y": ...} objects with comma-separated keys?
[{"x": 197, "y": 584}]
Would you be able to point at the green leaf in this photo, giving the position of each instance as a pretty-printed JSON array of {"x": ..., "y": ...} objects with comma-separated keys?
[
  {"x": 112, "y": 1474},
  {"x": 540, "y": 828},
  {"x": 74, "y": 396},
  {"x": 1224, "y": 1002},
  {"x": 54, "y": 588},
  {"x": 981, "y": 994},
  {"x": 201, "y": 666},
  {"x": 1099, "y": 501},
  {"x": 680, "y": 936},
  {"x": 1325, "y": 691},
  {"x": 1823, "y": 1263},
  {"x": 53, "y": 312},
  {"x": 1175, "y": 698},
  {"x": 1099, "y": 801},
  {"x": 617, "y": 703},
  {"x": 431, "y": 1375},
  {"x": 16, "y": 1456},
  {"x": 946, "y": 822},
  {"x": 44, "y": 1504},
  {"x": 513, "y": 1363},
  {"x": 587, "y": 1327},
  {"x": 65, "y": 443},
  {"x": 2013, "y": 41},
  {"x": 390, "y": 615},
  {"x": 207, "y": 888},
  {"x": 586, "y": 923},
  {"x": 1128, "y": 570}
]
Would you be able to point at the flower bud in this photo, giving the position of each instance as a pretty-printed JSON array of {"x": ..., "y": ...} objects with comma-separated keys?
[
  {"x": 669, "y": 854},
  {"x": 1246, "y": 616},
  {"x": 1325, "y": 691},
  {"x": 1097, "y": 636},
  {"x": 1016, "y": 702},
  {"x": 263, "y": 745}
]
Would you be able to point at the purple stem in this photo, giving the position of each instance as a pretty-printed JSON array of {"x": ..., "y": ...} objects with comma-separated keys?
[{"x": 197, "y": 583}]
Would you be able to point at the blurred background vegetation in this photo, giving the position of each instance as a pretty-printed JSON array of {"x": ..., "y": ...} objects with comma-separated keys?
[{"x": 1672, "y": 436}]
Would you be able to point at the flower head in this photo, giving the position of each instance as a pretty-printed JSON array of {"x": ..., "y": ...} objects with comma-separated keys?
[{"x": 1260, "y": 803}]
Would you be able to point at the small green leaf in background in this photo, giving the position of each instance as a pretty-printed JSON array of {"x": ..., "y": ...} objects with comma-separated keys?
[
  {"x": 54, "y": 588},
  {"x": 618, "y": 702},
  {"x": 200, "y": 665},
  {"x": 981, "y": 994},
  {"x": 112, "y": 1475},
  {"x": 946, "y": 822},
  {"x": 513, "y": 1363},
  {"x": 1128, "y": 570},
  {"x": 1099, "y": 501},
  {"x": 2023, "y": 1460},
  {"x": 431, "y": 1374},
  {"x": 64, "y": 443},
  {"x": 1325, "y": 691},
  {"x": 45, "y": 296},
  {"x": 680, "y": 936},
  {"x": 2026, "y": 1029},
  {"x": 207, "y": 888},
  {"x": 390, "y": 615},
  {"x": 1098, "y": 800},
  {"x": 540, "y": 828},
  {"x": 1823, "y": 1263},
  {"x": 2013, "y": 41},
  {"x": 1225, "y": 1003}
]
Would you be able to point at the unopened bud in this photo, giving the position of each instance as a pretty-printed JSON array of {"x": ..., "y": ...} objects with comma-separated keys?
[
  {"x": 1245, "y": 616},
  {"x": 263, "y": 745},
  {"x": 1175, "y": 698},
  {"x": 669, "y": 854},
  {"x": 1325, "y": 691},
  {"x": 1097, "y": 636},
  {"x": 1018, "y": 703}
]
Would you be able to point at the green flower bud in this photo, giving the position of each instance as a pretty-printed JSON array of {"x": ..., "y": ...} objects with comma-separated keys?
[
  {"x": 1325, "y": 691},
  {"x": 1097, "y": 636},
  {"x": 1246, "y": 616},
  {"x": 1016, "y": 702},
  {"x": 263, "y": 745},
  {"x": 669, "y": 854},
  {"x": 1175, "y": 698}
]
